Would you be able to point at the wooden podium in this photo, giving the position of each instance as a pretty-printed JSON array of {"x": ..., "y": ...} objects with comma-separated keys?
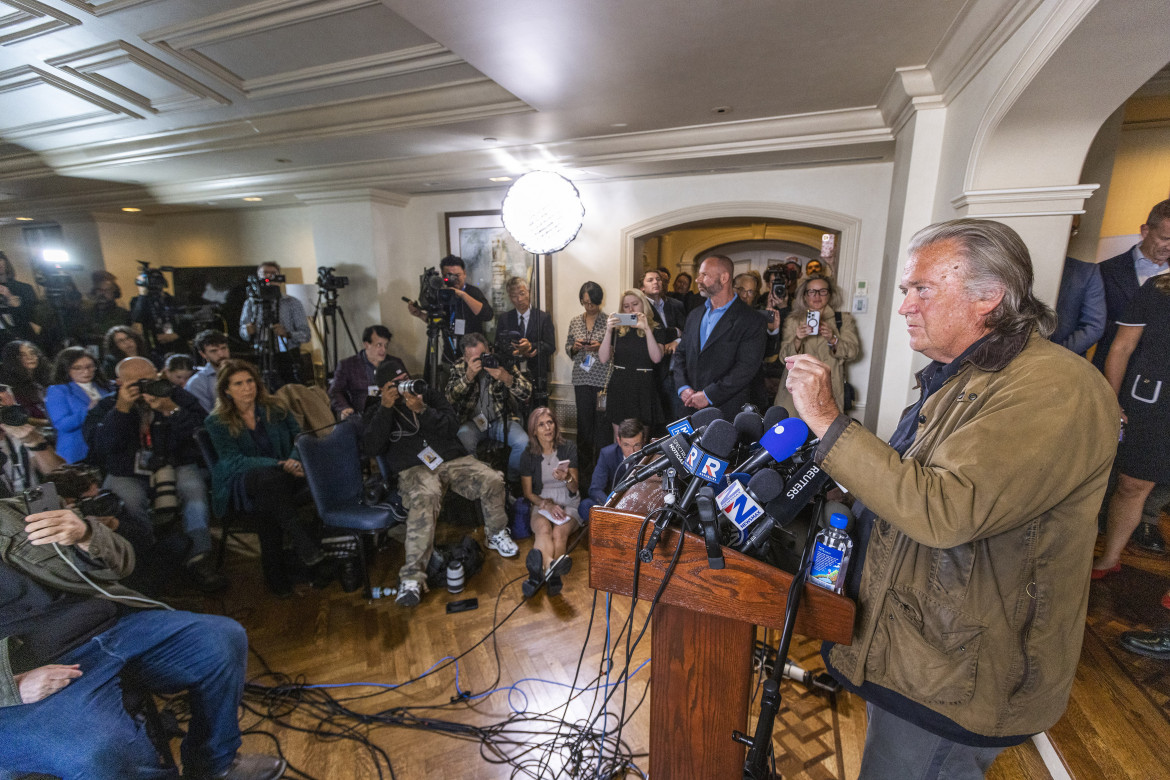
[{"x": 702, "y": 633}]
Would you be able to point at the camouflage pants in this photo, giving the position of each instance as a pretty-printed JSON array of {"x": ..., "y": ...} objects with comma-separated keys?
[{"x": 422, "y": 495}]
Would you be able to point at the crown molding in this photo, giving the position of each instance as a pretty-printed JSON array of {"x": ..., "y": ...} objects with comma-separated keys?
[
  {"x": 1024, "y": 201},
  {"x": 27, "y": 77},
  {"x": 31, "y": 20},
  {"x": 103, "y": 8},
  {"x": 378, "y": 197},
  {"x": 415, "y": 59}
]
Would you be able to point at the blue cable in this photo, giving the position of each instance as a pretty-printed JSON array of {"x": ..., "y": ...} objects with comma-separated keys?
[{"x": 607, "y": 660}]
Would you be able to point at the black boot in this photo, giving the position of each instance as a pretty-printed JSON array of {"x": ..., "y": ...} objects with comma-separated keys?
[
  {"x": 560, "y": 567},
  {"x": 534, "y": 562}
]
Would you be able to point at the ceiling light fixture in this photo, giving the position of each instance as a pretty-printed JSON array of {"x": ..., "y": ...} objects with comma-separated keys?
[
  {"x": 721, "y": 110},
  {"x": 24, "y": 219},
  {"x": 253, "y": 199},
  {"x": 499, "y": 178},
  {"x": 131, "y": 209}
]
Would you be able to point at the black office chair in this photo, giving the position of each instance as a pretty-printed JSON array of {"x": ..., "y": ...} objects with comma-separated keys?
[
  {"x": 334, "y": 471},
  {"x": 232, "y": 518}
]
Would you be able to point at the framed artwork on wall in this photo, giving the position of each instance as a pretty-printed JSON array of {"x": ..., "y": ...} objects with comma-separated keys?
[{"x": 492, "y": 256}]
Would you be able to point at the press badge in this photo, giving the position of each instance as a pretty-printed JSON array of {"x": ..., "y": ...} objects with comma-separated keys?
[
  {"x": 430, "y": 458},
  {"x": 460, "y": 327},
  {"x": 372, "y": 390},
  {"x": 480, "y": 421},
  {"x": 142, "y": 463},
  {"x": 588, "y": 362}
]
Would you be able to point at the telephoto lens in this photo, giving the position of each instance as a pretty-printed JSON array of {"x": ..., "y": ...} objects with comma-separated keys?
[
  {"x": 455, "y": 577},
  {"x": 412, "y": 386},
  {"x": 13, "y": 415}
]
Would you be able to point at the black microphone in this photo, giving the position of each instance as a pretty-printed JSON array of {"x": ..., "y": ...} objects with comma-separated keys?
[
  {"x": 800, "y": 489},
  {"x": 743, "y": 505},
  {"x": 774, "y": 415},
  {"x": 674, "y": 454},
  {"x": 687, "y": 426},
  {"x": 750, "y": 427},
  {"x": 707, "y": 459}
]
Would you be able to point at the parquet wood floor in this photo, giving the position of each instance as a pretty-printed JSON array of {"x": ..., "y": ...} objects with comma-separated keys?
[{"x": 1117, "y": 725}]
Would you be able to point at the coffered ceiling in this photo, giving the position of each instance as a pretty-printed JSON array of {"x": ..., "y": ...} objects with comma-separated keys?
[{"x": 180, "y": 102}]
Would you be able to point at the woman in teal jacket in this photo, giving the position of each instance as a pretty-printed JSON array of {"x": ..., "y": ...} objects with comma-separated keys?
[{"x": 259, "y": 470}]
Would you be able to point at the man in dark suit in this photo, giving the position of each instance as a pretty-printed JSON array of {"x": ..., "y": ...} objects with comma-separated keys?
[
  {"x": 353, "y": 382},
  {"x": 1122, "y": 276},
  {"x": 631, "y": 435},
  {"x": 1080, "y": 306},
  {"x": 722, "y": 346},
  {"x": 672, "y": 316},
  {"x": 526, "y": 334}
]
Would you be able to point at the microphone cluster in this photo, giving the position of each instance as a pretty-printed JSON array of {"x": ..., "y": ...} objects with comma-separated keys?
[{"x": 738, "y": 506}]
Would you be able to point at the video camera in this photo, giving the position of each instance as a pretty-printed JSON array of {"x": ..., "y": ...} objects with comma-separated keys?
[
  {"x": 327, "y": 280},
  {"x": 152, "y": 278},
  {"x": 15, "y": 416},
  {"x": 265, "y": 289},
  {"x": 436, "y": 292}
]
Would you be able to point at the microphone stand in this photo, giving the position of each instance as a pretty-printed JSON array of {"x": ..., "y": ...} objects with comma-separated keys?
[{"x": 760, "y": 745}]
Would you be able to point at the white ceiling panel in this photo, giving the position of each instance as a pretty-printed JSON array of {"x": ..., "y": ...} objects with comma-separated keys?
[
  {"x": 34, "y": 102},
  {"x": 23, "y": 19}
]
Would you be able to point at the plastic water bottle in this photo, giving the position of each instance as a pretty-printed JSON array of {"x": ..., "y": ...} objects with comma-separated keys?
[
  {"x": 831, "y": 555},
  {"x": 455, "y": 577}
]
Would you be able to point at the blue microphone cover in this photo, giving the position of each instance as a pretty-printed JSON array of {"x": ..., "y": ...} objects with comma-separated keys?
[{"x": 784, "y": 438}]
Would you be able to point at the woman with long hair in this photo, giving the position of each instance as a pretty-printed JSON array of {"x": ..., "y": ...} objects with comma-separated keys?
[
  {"x": 1138, "y": 368},
  {"x": 78, "y": 385},
  {"x": 831, "y": 345},
  {"x": 259, "y": 469},
  {"x": 634, "y": 352},
  {"x": 23, "y": 368},
  {"x": 548, "y": 476},
  {"x": 586, "y": 332},
  {"x": 178, "y": 368},
  {"x": 122, "y": 342}
]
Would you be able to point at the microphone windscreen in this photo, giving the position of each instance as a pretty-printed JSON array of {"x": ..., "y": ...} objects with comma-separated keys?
[
  {"x": 766, "y": 485},
  {"x": 774, "y": 415},
  {"x": 705, "y": 416},
  {"x": 750, "y": 426},
  {"x": 720, "y": 438},
  {"x": 784, "y": 438}
]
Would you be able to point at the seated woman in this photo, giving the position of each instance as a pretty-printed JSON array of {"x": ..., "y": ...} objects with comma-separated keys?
[
  {"x": 259, "y": 470},
  {"x": 548, "y": 476},
  {"x": 23, "y": 368},
  {"x": 77, "y": 387},
  {"x": 122, "y": 341},
  {"x": 178, "y": 368}
]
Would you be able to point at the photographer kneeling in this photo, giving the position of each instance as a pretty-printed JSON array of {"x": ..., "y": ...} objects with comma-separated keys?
[
  {"x": 479, "y": 389},
  {"x": 415, "y": 429},
  {"x": 68, "y": 650},
  {"x": 143, "y": 439}
]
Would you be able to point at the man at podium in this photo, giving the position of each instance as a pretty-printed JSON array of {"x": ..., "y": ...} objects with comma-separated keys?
[{"x": 976, "y": 522}]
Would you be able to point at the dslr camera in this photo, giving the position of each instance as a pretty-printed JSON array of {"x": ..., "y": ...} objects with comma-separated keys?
[
  {"x": 159, "y": 388},
  {"x": 488, "y": 360},
  {"x": 15, "y": 416},
  {"x": 412, "y": 386}
]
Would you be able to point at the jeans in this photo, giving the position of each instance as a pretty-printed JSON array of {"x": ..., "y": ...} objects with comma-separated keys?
[
  {"x": 470, "y": 435},
  {"x": 83, "y": 730},
  {"x": 191, "y": 487},
  {"x": 896, "y": 749}
]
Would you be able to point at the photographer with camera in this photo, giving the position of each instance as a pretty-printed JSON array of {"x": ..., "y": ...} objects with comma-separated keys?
[
  {"x": 274, "y": 323},
  {"x": 414, "y": 428},
  {"x": 354, "y": 381},
  {"x": 154, "y": 310},
  {"x": 143, "y": 439},
  {"x": 470, "y": 308},
  {"x": 102, "y": 312},
  {"x": 480, "y": 390}
]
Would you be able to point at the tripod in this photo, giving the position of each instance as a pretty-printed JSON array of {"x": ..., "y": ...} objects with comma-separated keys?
[
  {"x": 329, "y": 310},
  {"x": 439, "y": 345},
  {"x": 265, "y": 345}
]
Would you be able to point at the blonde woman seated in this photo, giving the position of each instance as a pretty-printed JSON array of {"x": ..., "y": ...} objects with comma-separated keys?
[
  {"x": 548, "y": 475},
  {"x": 831, "y": 345}
]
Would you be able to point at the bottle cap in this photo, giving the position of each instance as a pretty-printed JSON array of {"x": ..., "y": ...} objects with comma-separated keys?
[{"x": 838, "y": 520}]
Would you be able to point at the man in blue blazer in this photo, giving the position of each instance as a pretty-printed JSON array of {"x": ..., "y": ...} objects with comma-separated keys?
[
  {"x": 722, "y": 347},
  {"x": 609, "y": 471},
  {"x": 1080, "y": 306}
]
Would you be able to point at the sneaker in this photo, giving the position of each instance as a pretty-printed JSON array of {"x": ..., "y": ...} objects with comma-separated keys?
[
  {"x": 409, "y": 594},
  {"x": 501, "y": 542}
]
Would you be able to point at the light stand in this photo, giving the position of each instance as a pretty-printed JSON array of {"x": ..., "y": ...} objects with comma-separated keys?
[{"x": 543, "y": 212}]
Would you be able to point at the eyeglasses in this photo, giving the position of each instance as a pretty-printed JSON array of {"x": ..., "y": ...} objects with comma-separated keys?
[
  {"x": 817, "y": 293},
  {"x": 746, "y": 289}
]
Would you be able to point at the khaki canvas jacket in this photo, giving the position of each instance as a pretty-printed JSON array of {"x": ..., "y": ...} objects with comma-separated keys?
[
  {"x": 43, "y": 565},
  {"x": 976, "y": 578}
]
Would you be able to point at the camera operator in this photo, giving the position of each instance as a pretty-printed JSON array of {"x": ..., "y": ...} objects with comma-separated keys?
[
  {"x": 24, "y": 454},
  {"x": 214, "y": 349},
  {"x": 102, "y": 311},
  {"x": 17, "y": 304},
  {"x": 154, "y": 311},
  {"x": 143, "y": 439},
  {"x": 353, "y": 382},
  {"x": 289, "y": 325},
  {"x": 479, "y": 390},
  {"x": 471, "y": 308},
  {"x": 417, "y": 435}
]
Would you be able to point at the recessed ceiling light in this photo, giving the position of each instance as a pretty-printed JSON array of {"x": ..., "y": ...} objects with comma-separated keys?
[
  {"x": 721, "y": 110},
  {"x": 253, "y": 199},
  {"x": 491, "y": 140},
  {"x": 131, "y": 209},
  {"x": 500, "y": 178},
  {"x": 620, "y": 124},
  {"x": 24, "y": 219}
]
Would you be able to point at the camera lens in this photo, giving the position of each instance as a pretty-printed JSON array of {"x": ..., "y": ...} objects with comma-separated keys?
[
  {"x": 13, "y": 415},
  {"x": 412, "y": 386}
]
